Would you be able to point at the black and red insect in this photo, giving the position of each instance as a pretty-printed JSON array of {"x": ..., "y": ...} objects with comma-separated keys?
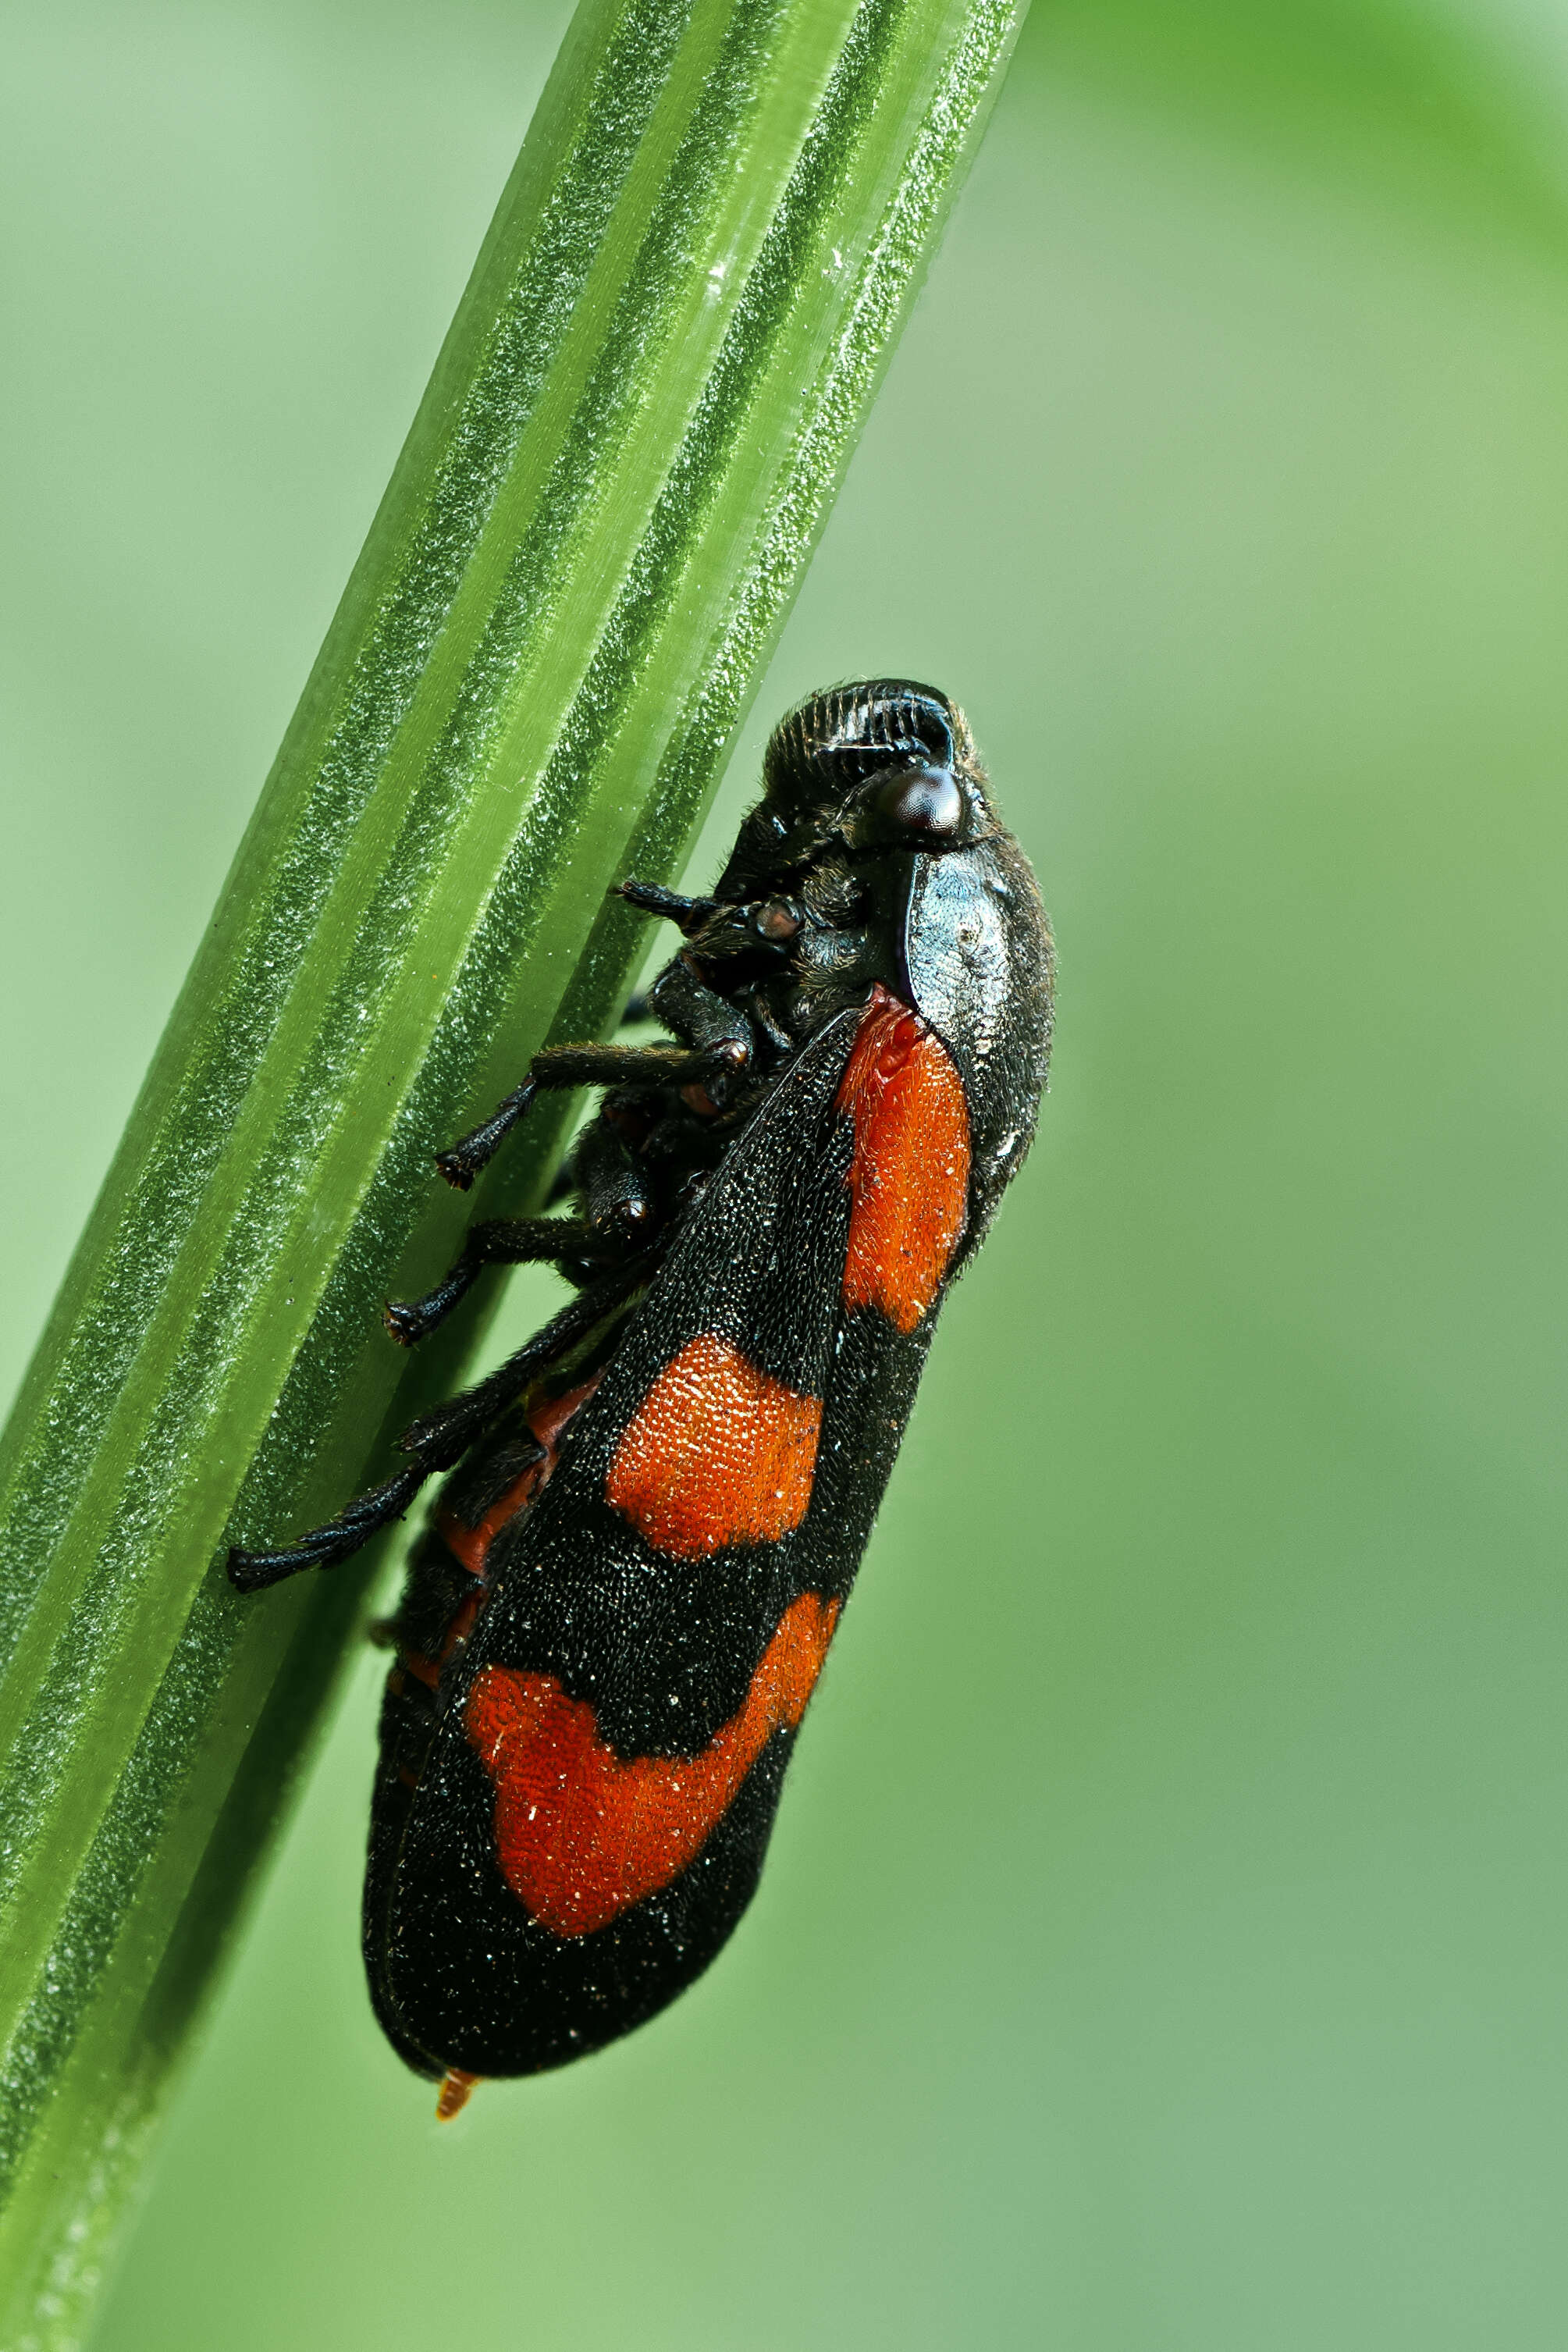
[{"x": 610, "y": 1630}]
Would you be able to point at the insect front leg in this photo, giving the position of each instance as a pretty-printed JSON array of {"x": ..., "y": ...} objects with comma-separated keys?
[
  {"x": 565, "y": 1181},
  {"x": 585, "y": 1065},
  {"x": 688, "y": 915}
]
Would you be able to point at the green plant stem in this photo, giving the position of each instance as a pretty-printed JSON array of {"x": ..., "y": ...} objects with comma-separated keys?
[{"x": 670, "y": 336}]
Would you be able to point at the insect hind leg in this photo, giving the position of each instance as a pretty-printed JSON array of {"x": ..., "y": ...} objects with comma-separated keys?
[
  {"x": 439, "y": 1440},
  {"x": 324, "y": 1547}
]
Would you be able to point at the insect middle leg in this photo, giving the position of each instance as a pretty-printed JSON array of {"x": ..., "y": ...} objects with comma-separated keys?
[
  {"x": 586, "y": 1065},
  {"x": 699, "y": 1016},
  {"x": 618, "y": 1217},
  {"x": 499, "y": 1241}
]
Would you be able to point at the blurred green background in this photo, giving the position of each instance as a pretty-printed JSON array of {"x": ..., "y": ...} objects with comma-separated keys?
[{"x": 1162, "y": 1948}]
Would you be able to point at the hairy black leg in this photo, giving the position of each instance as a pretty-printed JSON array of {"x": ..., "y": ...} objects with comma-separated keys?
[
  {"x": 463, "y": 1161},
  {"x": 440, "y": 1437},
  {"x": 688, "y": 915},
  {"x": 562, "y": 1185},
  {"x": 438, "y": 1440},
  {"x": 584, "y": 1066},
  {"x": 324, "y": 1547},
  {"x": 691, "y": 914},
  {"x": 565, "y": 1182},
  {"x": 499, "y": 1241},
  {"x": 697, "y": 1015},
  {"x": 619, "y": 1210}
]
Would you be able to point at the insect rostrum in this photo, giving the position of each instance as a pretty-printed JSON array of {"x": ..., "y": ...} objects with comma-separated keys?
[{"x": 610, "y": 1630}]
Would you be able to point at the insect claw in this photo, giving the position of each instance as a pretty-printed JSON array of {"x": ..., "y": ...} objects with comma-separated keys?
[
  {"x": 458, "y": 1170},
  {"x": 404, "y": 1322}
]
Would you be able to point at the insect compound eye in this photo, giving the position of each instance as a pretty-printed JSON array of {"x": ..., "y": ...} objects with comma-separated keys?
[{"x": 925, "y": 801}]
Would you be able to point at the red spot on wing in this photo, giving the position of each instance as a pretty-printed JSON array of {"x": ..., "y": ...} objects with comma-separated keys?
[
  {"x": 581, "y": 1834},
  {"x": 910, "y": 1173},
  {"x": 717, "y": 1453},
  {"x": 471, "y": 1544}
]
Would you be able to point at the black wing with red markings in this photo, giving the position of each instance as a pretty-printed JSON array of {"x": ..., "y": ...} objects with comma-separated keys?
[{"x": 593, "y": 1818}]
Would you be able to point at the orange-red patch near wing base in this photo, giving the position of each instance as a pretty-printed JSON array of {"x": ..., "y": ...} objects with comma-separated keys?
[
  {"x": 716, "y": 1453},
  {"x": 910, "y": 1173},
  {"x": 549, "y": 1420},
  {"x": 470, "y": 1544},
  {"x": 582, "y": 1835}
]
